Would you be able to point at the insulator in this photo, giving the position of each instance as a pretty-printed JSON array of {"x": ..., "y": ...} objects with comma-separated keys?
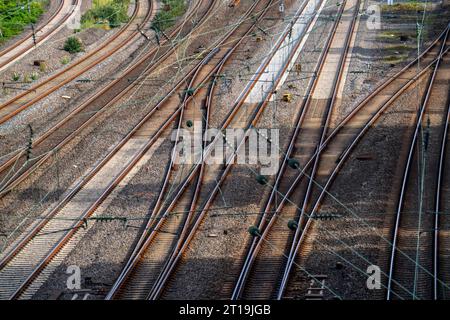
[{"x": 254, "y": 231}]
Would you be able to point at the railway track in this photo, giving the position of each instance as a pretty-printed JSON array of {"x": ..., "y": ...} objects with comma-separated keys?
[
  {"x": 373, "y": 105},
  {"x": 32, "y": 259},
  {"x": 142, "y": 13},
  {"x": 37, "y": 252},
  {"x": 442, "y": 222},
  {"x": 140, "y": 274},
  {"x": 19, "y": 48},
  {"x": 263, "y": 265},
  {"x": 235, "y": 119},
  {"x": 163, "y": 232},
  {"x": 342, "y": 140},
  {"x": 414, "y": 259},
  {"x": 17, "y": 168}
]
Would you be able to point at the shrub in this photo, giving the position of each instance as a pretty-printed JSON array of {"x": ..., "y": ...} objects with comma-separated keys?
[
  {"x": 166, "y": 19},
  {"x": 14, "y": 16},
  {"x": 112, "y": 12},
  {"x": 34, "y": 76},
  {"x": 73, "y": 45}
]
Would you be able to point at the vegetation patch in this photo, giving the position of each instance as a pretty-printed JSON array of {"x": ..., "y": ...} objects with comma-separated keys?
[
  {"x": 394, "y": 59},
  {"x": 171, "y": 10},
  {"x": 65, "y": 60},
  {"x": 400, "y": 48},
  {"x": 73, "y": 45},
  {"x": 394, "y": 35},
  {"x": 15, "y": 15},
  {"x": 413, "y": 6},
  {"x": 15, "y": 76},
  {"x": 105, "y": 14}
]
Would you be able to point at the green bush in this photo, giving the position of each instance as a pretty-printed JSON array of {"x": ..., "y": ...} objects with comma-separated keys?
[
  {"x": 43, "y": 67},
  {"x": 73, "y": 45},
  {"x": 14, "y": 16},
  {"x": 165, "y": 19},
  {"x": 112, "y": 13}
]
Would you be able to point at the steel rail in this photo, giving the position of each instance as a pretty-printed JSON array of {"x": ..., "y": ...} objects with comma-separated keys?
[
  {"x": 195, "y": 197},
  {"x": 16, "y": 177},
  {"x": 345, "y": 153},
  {"x": 336, "y": 83},
  {"x": 145, "y": 239},
  {"x": 256, "y": 244},
  {"x": 20, "y": 176},
  {"x": 27, "y": 37},
  {"x": 23, "y": 242},
  {"x": 256, "y": 114},
  {"x": 76, "y": 74},
  {"x": 111, "y": 186},
  {"x": 438, "y": 205},
  {"x": 407, "y": 169},
  {"x": 193, "y": 172},
  {"x": 355, "y": 111},
  {"x": 92, "y": 173},
  {"x": 332, "y": 134}
]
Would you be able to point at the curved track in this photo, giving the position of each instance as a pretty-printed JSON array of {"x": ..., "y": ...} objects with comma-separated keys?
[
  {"x": 142, "y": 13},
  {"x": 17, "y": 167},
  {"x": 166, "y": 237},
  {"x": 235, "y": 119},
  {"x": 139, "y": 277},
  {"x": 413, "y": 257},
  {"x": 18, "y": 49},
  {"x": 36, "y": 253},
  {"x": 341, "y": 141}
]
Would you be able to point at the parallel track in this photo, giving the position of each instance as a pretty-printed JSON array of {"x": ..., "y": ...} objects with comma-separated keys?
[
  {"x": 235, "y": 119},
  {"x": 120, "y": 39},
  {"x": 343, "y": 139},
  {"x": 16, "y": 169},
  {"x": 442, "y": 221},
  {"x": 260, "y": 276},
  {"x": 414, "y": 247},
  {"x": 171, "y": 235},
  {"x": 30, "y": 256},
  {"x": 139, "y": 278},
  {"x": 28, "y": 37}
]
